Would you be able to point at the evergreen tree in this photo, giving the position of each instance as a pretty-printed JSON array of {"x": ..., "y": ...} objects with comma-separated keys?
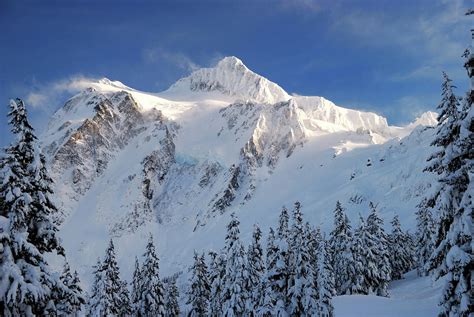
[
  {"x": 27, "y": 230},
  {"x": 278, "y": 269},
  {"x": 71, "y": 302},
  {"x": 76, "y": 284},
  {"x": 76, "y": 288},
  {"x": 171, "y": 300},
  {"x": 311, "y": 241},
  {"x": 271, "y": 249},
  {"x": 269, "y": 300},
  {"x": 216, "y": 280},
  {"x": 453, "y": 253},
  {"x": 365, "y": 261},
  {"x": 325, "y": 282},
  {"x": 283, "y": 223},
  {"x": 113, "y": 284},
  {"x": 107, "y": 292},
  {"x": 340, "y": 251},
  {"x": 301, "y": 292},
  {"x": 266, "y": 306},
  {"x": 425, "y": 229},
  {"x": 235, "y": 292},
  {"x": 448, "y": 128},
  {"x": 381, "y": 251},
  {"x": 125, "y": 308},
  {"x": 256, "y": 270},
  {"x": 401, "y": 257},
  {"x": 136, "y": 287},
  {"x": 151, "y": 298},
  {"x": 96, "y": 303},
  {"x": 446, "y": 198},
  {"x": 199, "y": 292}
]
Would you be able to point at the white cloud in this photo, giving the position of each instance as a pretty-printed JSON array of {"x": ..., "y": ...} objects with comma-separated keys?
[
  {"x": 177, "y": 59},
  {"x": 47, "y": 97},
  {"x": 36, "y": 99},
  {"x": 215, "y": 58}
]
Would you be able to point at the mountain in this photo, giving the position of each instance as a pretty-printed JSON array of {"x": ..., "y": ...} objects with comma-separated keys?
[
  {"x": 232, "y": 78},
  {"x": 224, "y": 139}
]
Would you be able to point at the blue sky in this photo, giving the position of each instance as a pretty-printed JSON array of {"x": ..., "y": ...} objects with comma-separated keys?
[{"x": 384, "y": 56}]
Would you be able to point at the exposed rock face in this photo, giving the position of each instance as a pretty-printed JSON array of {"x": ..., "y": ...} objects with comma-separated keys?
[
  {"x": 155, "y": 168},
  {"x": 79, "y": 156},
  {"x": 275, "y": 132}
]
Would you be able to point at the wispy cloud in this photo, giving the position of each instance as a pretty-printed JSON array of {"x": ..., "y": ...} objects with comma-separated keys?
[
  {"x": 176, "y": 59},
  {"x": 434, "y": 38},
  {"x": 47, "y": 96},
  {"x": 410, "y": 107},
  {"x": 307, "y": 6},
  {"x": 430, "y": 71}
]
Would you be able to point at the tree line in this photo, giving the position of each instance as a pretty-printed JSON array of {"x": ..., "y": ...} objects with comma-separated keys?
[{"x": 296, "y": 272}]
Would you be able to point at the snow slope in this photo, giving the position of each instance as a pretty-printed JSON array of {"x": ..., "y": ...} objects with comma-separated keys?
[
  {"x": 177, "y": 163},
  {"x": 412, "y": 296}
]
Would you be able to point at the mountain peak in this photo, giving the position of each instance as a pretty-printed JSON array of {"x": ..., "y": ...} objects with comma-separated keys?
[
  {"x": 113, "y": 83},
  {"x": 232, "y": 78},
  {"x": 428, "y": 119},
  {"x": 230, "y": 61}
]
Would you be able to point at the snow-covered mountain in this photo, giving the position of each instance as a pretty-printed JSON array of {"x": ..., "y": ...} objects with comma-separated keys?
[{"x": 223, "y": 139}]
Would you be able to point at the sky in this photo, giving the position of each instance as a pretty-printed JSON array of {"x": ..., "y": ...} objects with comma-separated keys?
[{"x": 379, "y": 55}]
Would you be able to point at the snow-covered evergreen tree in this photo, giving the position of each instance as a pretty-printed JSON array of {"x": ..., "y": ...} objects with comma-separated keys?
[
  {"x": 171, "y": 299},
  {"x": 448, "y": 127},
  {"x": 324, "y": 282},
  {"x": 453, "y": 201},
  {"x": 340, "y": 250},
  {"x": 136, "y": 287},
  {"x": 113, "y": 284},
  {"x": 125, "y": 308},
  {"x": 216, "y": 279},
  {"x": 425, "y": 229},
  {"x": 256, "y": 270},
  {"x": 107, "y": 296},
  {"x": 268, "y": 301},
  {"x": 26, "y": 225},
  {"x": 71, "y": 302},
  {"x": 76, "y": 287},
  {"x": 278, "y": 266},
  {"x": 151, "y": 300},
  {"x": 270, "y": 249},
  {"x": 381, "y": 252},
  {"x": 365, "y": 261},
  {"x": 400, "y": 251},
  {"x": 446, "y": 198},
  {"x": 266, "y": 306},
  {"x": 311, "y": 241},
  {"x": 96, "y": 301},
  {"x": 235, "y": 291},
  {"x": 301, "y": 292},
  {"x": 199, "y": 291}
]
